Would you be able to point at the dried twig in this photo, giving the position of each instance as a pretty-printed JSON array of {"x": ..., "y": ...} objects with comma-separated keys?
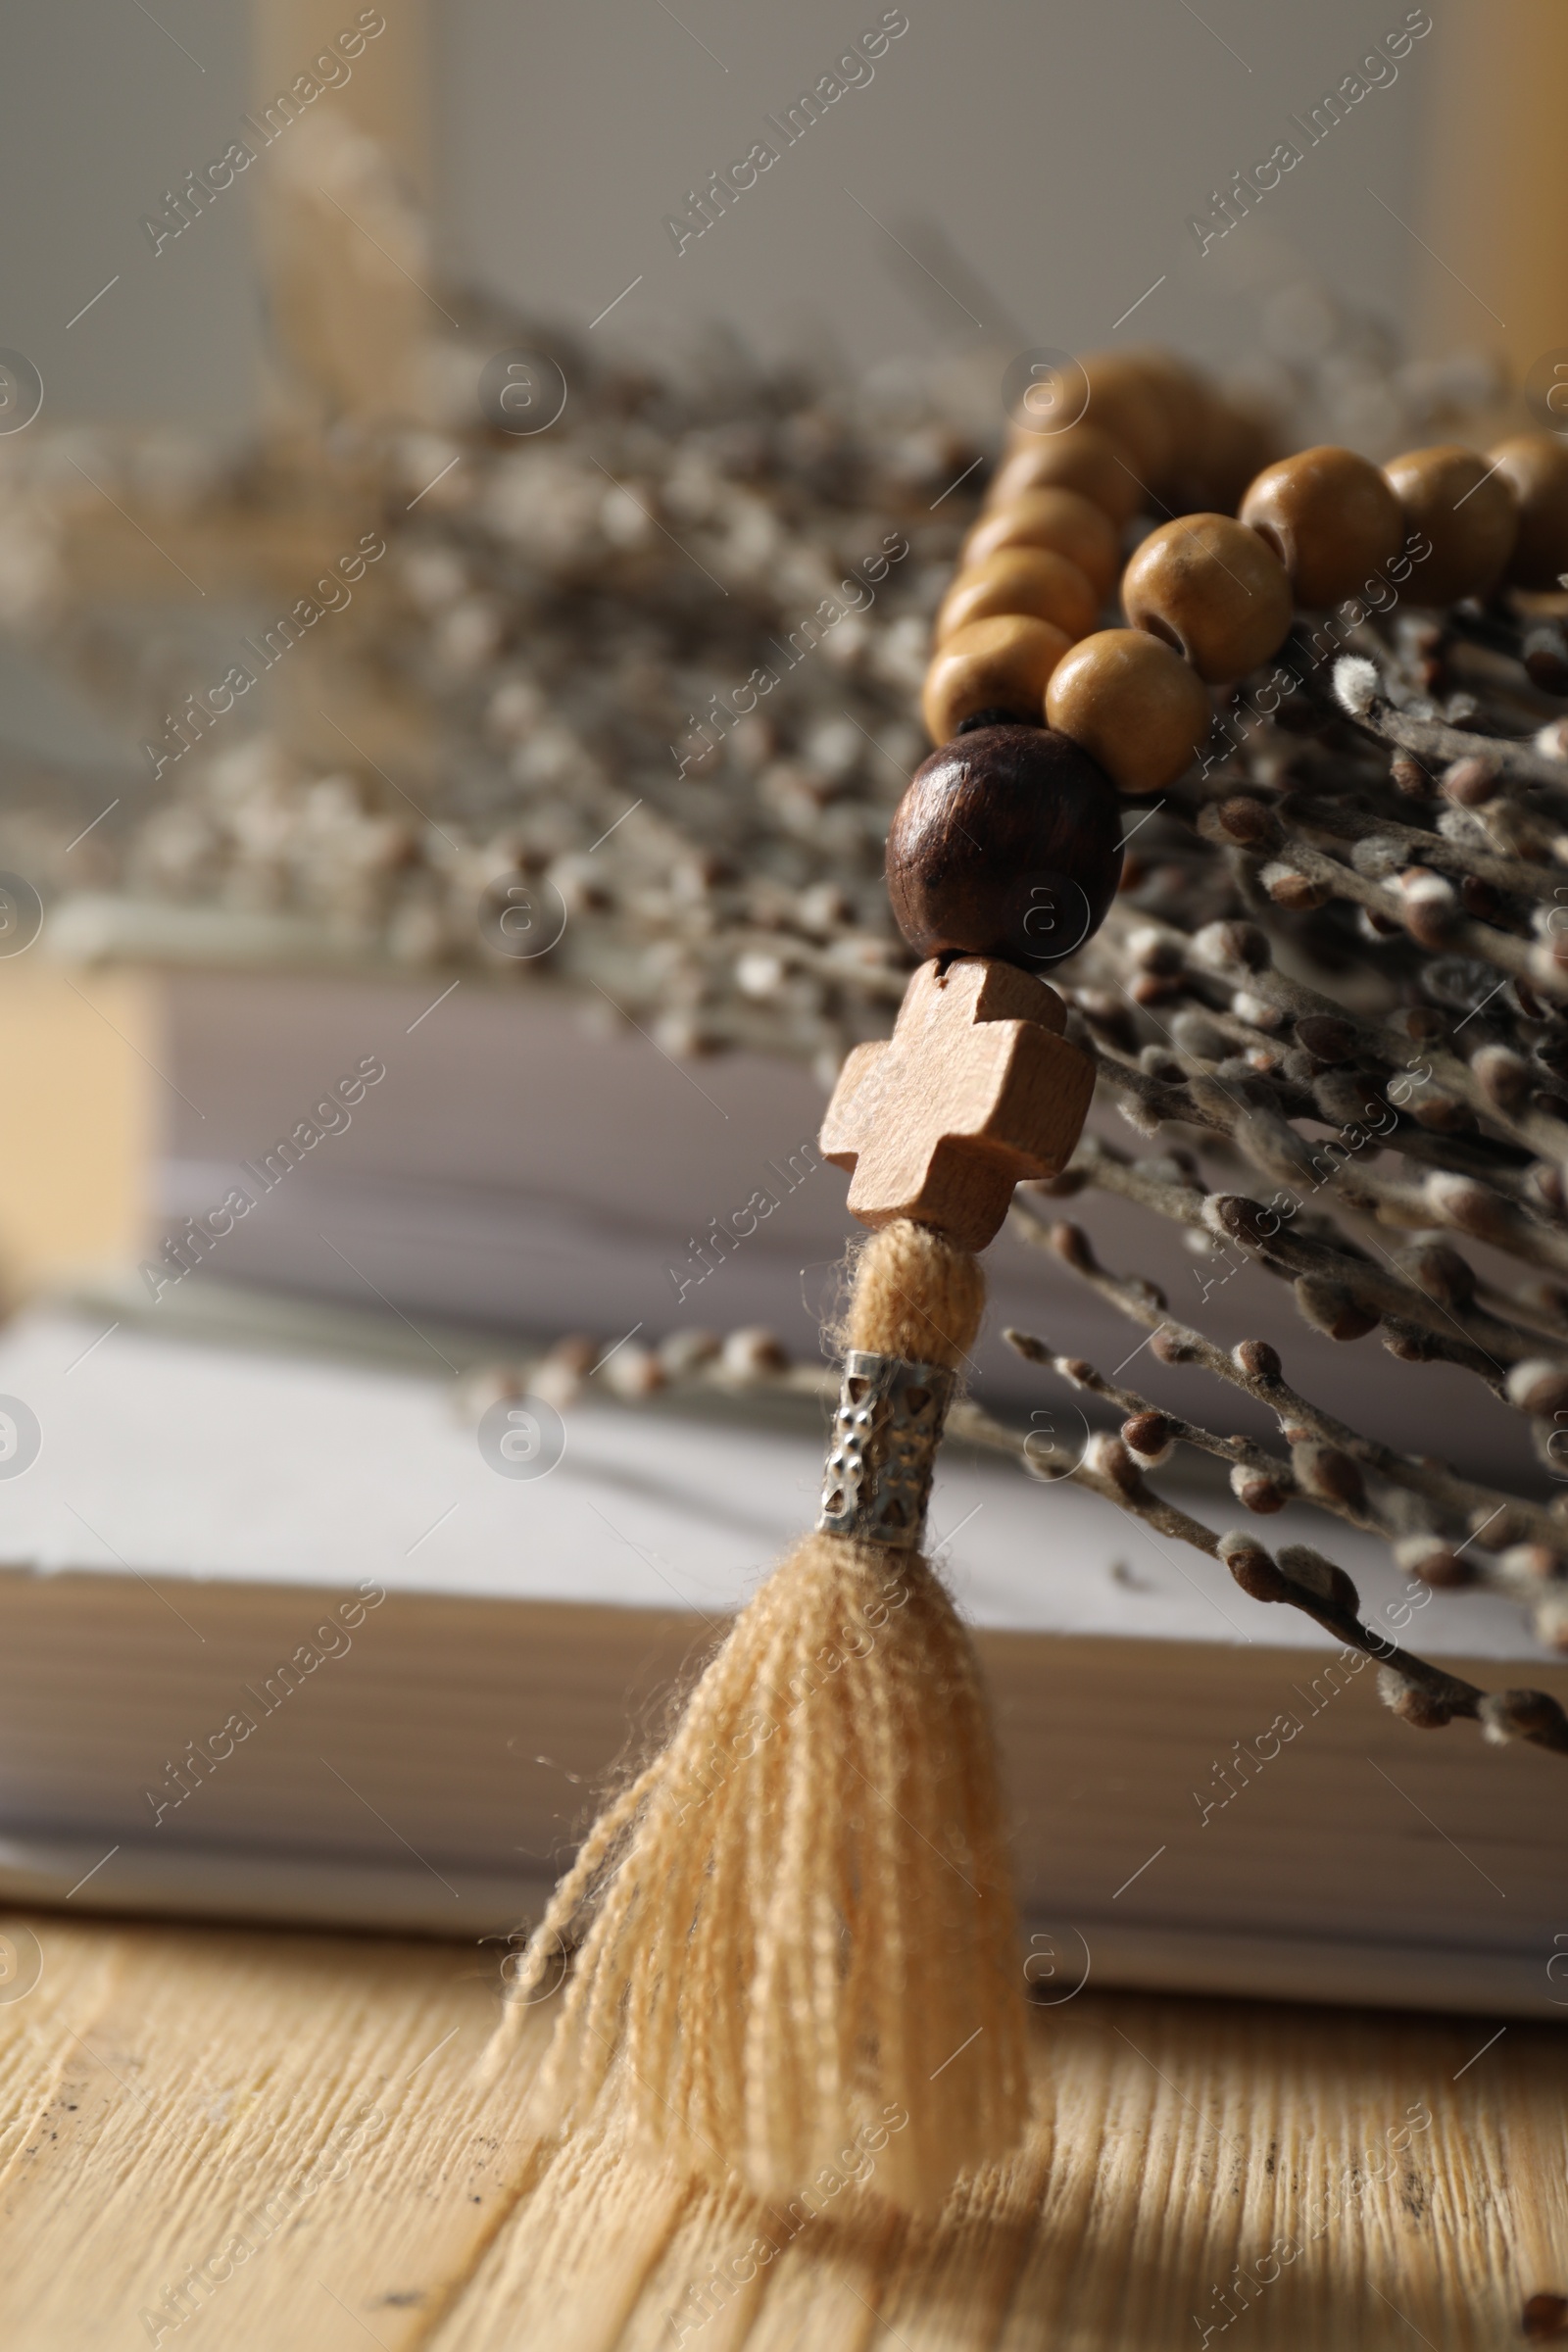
[
  {"x": 1319, "y": 1471},
  {"x": 1424, "y": 1694},
  {"x": 1334, "y": 987}
]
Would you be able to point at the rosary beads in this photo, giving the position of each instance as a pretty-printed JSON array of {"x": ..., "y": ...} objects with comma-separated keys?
[
  {"x": 775, "y": 1940},
  {"x": 1007, "y": 845},
  {"x": 1207, "y": 596}
]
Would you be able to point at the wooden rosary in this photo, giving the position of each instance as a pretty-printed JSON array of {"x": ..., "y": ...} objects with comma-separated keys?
[
  {"x": 1006, "y": 852},
  {"x": 1005, "y": 848},
  {"x": 797, "y": 1918}
]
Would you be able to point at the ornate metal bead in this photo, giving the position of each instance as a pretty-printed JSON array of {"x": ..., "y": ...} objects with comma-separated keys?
[{"x": 877, "y": 1478}]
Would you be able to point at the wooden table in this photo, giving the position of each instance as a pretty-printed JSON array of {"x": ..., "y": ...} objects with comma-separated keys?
[{"x": 283, "y": 2138}]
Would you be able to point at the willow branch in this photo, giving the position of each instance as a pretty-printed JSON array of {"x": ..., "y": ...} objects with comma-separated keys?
[
  {"x": 1458, "y": 1506},
  {"x": 1433, "y": 741},
  {"x": 1425, "y": 1695}
]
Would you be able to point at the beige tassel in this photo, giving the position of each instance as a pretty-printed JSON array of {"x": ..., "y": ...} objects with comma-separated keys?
[{"x": 802, "y": 1919}]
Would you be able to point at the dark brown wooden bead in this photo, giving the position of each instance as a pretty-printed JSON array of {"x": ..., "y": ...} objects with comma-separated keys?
[{"x": 1007, "y": 843}]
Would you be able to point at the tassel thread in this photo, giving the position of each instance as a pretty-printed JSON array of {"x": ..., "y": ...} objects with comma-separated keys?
[{"x": 800, "y": 1918}]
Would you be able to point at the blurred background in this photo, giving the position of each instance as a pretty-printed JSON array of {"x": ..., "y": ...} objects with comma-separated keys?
[
  {"x": 1058, "y": 152},
  {"x": 475, "y": 487},
  {"x": 418, "y": 423}
]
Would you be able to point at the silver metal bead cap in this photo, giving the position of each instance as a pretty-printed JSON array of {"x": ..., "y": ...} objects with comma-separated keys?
[{"x": 877, "y": 1478}]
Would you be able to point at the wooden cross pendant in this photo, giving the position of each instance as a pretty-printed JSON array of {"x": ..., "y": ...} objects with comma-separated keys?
[{"x": 976, "y": 1090}]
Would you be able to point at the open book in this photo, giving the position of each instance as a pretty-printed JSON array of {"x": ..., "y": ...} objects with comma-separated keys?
[
  {"x": 530, "y": 1163},
  {"x": 281, "y": 1638}
]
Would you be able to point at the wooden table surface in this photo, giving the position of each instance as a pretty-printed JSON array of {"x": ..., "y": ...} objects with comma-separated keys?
[{"x": 276, "y": 2144}]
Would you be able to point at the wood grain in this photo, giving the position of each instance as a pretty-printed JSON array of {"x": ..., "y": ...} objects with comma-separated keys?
[
  {"x": 161, "y": 2086},
  {"x": 975, "y": 1091}
]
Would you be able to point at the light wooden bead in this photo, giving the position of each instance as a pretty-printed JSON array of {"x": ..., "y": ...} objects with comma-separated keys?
[
  {"x": 1133, "y": 704},
  {"x": 1001, "y": 664},
  {"x": 1031, "y": 580},
  {"x": 1330, "y": 517},
  {"x": 1235, "y": 447},
  {"x": 1209, "y": 587},
  {"x": 1064, "y": 521},
  {"x": 1126, "y": 403},
  {"x": 1081, "y": 458},
  {"x": 1472, "y": 521},
  {"x": 1186, "y": 402},
  {"x": 1535, "y": 466}
]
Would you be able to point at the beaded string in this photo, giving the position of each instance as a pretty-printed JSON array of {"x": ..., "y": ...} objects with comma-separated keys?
[
  {"x": 1209, "y": 596},
  {"x": 798, "y": 1917}
]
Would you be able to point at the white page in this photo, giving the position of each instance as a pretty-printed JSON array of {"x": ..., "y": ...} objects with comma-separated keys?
[{"x": 181, "y": 1459}]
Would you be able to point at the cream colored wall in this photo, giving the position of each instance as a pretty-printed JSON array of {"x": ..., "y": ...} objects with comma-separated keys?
[
  {"x": 389, "y": 96},
  {"x": 1494, "y": 182},
  {"x": 340, "y": 233}
]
